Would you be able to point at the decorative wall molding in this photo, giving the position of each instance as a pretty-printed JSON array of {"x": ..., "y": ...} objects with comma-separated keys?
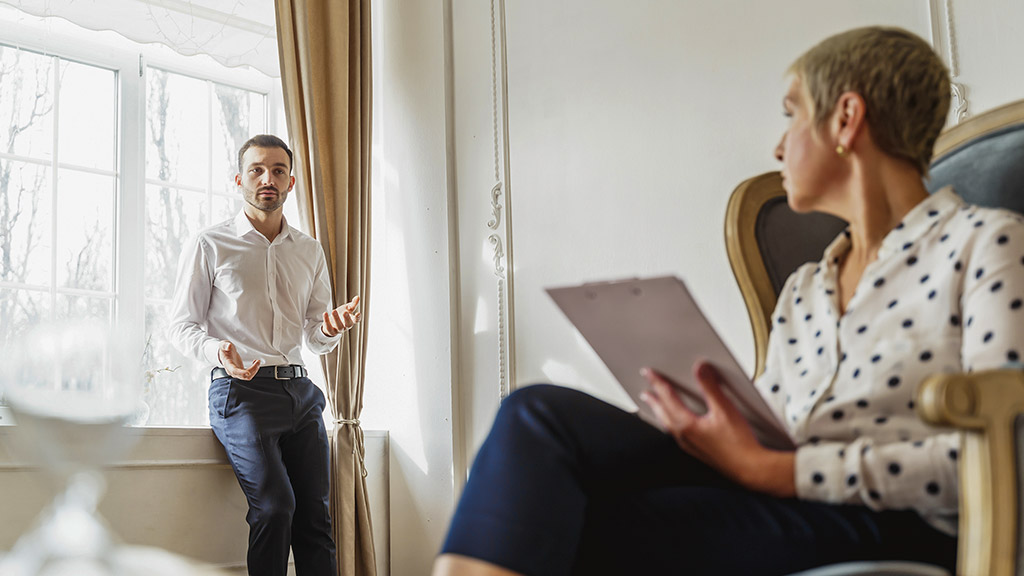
[
  {"x": 499, "y": 257},
  {"x": 495, "y": 208},
  {"x": 500, "y": 196},
  {"x": 944, "y": 42}
]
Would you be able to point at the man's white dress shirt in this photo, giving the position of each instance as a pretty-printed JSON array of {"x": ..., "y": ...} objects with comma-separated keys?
[
  {"x": 944, "y": 295},
  {"x": 265, "y": 297}
]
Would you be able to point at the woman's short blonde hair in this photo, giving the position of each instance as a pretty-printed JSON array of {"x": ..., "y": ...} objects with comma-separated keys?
[{"x": 904, "y": 85}]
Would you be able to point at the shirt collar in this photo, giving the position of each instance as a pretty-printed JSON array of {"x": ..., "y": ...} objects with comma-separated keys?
[
  {"x": 243, "y": 226},
  {"x": 921, "y": 218},
  {"x": 933, "y": 209}
]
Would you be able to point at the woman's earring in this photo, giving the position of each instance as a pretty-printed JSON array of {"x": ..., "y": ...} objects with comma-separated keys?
[{"x": 841, "y": 150}]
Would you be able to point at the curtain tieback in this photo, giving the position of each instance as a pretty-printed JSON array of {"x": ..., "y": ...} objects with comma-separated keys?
[{"x": 358, "y": 449}]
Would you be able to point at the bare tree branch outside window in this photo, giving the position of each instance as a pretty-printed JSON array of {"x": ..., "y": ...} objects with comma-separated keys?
[{"x": 28, "y": 99}]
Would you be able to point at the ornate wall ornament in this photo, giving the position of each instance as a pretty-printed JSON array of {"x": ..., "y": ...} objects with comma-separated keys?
[
  {"x": 959, "y": 104},
  {"x": 503, "y": 386},
  {"x": 500, "y": 238},
  {"x": 944, "y": 42},
  {"x": 495, "y": 207},
  {"x": 499, "y": 256}
]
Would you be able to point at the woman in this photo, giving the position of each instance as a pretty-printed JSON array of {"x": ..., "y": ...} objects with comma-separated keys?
[{"x": 917, "y": 284}]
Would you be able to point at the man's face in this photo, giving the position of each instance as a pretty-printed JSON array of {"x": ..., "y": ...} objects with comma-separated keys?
[{"x": 266, "y": 178}]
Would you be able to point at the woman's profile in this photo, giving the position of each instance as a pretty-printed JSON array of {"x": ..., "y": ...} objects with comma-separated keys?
[{"x": 917, "y": 284}]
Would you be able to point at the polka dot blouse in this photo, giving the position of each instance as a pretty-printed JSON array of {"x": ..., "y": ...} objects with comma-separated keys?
[{"x": 946, "y": 294}]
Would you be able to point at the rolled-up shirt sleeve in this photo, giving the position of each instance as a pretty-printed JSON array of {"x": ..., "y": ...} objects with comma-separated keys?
[
  {"x": 190, "y": 304},
  {"x": 319, "y": 302},
  {"x": 920, "y": 475}
]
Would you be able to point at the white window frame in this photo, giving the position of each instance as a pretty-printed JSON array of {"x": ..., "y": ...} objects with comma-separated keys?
[{"x": 130, "y": 66}]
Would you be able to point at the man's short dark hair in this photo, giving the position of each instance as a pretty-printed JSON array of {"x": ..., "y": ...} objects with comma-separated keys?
[{"x": 264, "y": 141}]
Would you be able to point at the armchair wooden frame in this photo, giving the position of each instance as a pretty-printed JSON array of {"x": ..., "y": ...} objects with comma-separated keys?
[{"x": 985, "y": 405}]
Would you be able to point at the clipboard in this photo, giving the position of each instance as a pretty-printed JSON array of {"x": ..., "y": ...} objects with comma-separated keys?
[{"x": 655, "y": 322}]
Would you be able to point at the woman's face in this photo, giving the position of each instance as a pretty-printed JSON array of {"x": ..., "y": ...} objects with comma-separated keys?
[{"x": 808, "y": 160}]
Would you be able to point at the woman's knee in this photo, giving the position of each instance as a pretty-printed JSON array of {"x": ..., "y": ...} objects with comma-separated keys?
[
  {"x": 536, "y": 399},
  {"x": 540, "y": 410}
]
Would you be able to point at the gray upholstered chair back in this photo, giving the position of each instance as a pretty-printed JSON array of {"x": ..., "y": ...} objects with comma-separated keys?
[
  {"x": 988, "y": 170},
  {"x": 804, "y": 239}
]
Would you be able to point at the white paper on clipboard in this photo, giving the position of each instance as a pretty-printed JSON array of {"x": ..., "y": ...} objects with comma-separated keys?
[{"x": 655, "y": 322}]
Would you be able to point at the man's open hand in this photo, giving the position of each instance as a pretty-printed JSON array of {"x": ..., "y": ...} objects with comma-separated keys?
[
  {"x": 341, "y": 318},
  {"x": 232, "y": 362}
]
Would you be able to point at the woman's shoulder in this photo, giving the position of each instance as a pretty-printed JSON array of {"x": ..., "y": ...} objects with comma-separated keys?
[
  {"x": 803, "y": 278},
  {"x": 982, "y": 221},
  {"x": 996, "y": 213},
  {"x": 988, "y": 234}
]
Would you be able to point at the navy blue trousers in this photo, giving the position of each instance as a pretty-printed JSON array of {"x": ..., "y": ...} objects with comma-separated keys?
[
  {"x": 274, "y": 436},
  {"x": 568, "y": 484}
]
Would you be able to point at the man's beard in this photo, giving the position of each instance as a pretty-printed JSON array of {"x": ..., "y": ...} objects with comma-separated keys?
[{"x": 253, "y": 199}]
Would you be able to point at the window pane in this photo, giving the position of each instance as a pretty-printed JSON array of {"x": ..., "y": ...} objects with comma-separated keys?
[
  {"x": 238, "y": 116},
  {"x": 175, "y": 387},
  {"x": 88, "y": 116},
  {"x": 25, "y": 213},
  {"x": 177, "y": 128},
  {"x": 225, "y": 208},
  {"x": 172, "y": 217},
  {"x": 26, "y": 103},
  {"x": 74, "y": 307},
  {"x": 85, "y": 230},
  {"x": 194, "y": 129},
  {"x": 291, "y": 211},
  {"x": 21, "y": 310}
]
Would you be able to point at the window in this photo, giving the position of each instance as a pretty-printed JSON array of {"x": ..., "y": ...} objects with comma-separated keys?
[
  {"x": 112, "y": 155},
  {"x": 194, "y": 129},
  {"x": 58, "y": 190}
]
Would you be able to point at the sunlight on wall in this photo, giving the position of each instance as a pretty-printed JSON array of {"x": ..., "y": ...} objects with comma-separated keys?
[
  {"x": 390, "y": 361},
  {"x": 482, "y": 317}
]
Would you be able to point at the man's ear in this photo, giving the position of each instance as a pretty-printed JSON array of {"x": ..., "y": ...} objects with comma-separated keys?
[
  {"x": 849, "y": 119},
  {"x": 238, "y": 179},
  {"x": 291, "y": 184}
]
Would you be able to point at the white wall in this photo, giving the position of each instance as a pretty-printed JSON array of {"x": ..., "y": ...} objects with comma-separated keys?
[
  {"x": 409, "y": 359},
  {"x": 990, "y": 37}
]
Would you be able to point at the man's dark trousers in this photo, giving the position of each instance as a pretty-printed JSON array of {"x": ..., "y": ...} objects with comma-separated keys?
[{"x": 274, "y": 436}]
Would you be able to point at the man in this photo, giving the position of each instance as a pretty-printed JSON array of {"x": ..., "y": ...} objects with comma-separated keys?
[{"x": 249, "y": 290}]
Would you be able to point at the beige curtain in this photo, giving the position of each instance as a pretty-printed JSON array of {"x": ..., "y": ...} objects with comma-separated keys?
[{"x": 325, "y": 72}]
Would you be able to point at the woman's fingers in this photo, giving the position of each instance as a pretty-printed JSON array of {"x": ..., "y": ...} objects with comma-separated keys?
[
  {"x": 666, "y": 404},
  {"x": 710, "y": 381}
]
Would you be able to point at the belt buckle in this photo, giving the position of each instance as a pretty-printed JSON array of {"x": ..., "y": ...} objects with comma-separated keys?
[{"x": 276, "y": 377}]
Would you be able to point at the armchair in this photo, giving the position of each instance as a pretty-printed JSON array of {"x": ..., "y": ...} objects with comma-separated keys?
[{"x": 983, "y": 158}]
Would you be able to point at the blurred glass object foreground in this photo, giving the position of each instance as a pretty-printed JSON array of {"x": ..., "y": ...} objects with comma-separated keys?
[{"x": 71, "y": 388}]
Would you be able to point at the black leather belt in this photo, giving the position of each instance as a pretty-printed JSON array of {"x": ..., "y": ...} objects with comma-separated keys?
[{"x": 282, "y": 372}]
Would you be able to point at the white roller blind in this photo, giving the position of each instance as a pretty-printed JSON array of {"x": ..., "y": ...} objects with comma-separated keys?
[{"x": 232, "y": 32}]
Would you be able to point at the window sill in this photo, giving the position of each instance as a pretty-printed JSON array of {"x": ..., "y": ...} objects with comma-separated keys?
[{"x": 152, "y": 446}]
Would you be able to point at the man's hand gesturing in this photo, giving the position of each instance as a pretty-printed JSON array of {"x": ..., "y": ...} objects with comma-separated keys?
[
  {"x": 341, "y": 318},
  {"x": 233, "y": 364}
]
